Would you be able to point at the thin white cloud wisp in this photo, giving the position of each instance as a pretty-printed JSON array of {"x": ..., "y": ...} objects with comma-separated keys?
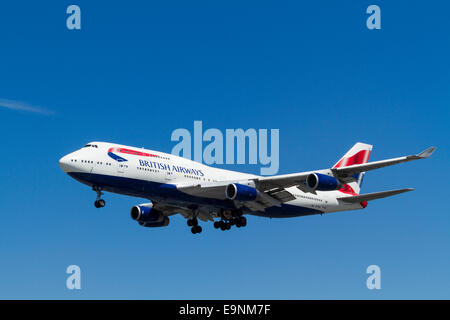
[{"x": 23, "y": 106}]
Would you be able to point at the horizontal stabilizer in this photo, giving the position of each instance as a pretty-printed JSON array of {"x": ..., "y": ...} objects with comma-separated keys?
[{"x": 373, "y": 196}]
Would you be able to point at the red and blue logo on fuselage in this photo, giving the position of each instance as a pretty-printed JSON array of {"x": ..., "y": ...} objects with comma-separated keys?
[{"x": 112, "y": 153}]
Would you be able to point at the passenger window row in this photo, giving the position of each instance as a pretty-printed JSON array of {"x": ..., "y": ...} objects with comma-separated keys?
[
  {"x": 89, "y": 161},
  {"x": 193, "y": 177},
  {"x": 147, "y": 169},
  {"x": 309, "y": 198},
  {"x": 171, "y": 173}
]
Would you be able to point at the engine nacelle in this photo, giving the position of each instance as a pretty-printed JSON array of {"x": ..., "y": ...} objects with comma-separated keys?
[
  {"x": 322, "y": 182},
  {"x": 240, "y": 192},
  {"x": 146, "y": 213},
  {"x": 163, "y": 223}
]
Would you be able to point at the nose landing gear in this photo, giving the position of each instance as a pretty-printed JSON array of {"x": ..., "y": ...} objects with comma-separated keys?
[{"x": 99, "y": 203}]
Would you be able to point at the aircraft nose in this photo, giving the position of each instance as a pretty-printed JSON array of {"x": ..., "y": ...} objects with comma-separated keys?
[{"x": 64, "y": 163}]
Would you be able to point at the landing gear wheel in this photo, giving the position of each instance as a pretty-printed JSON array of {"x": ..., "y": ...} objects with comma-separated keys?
[
  {"x": 243, "y": 221},
  {"x": 100, "y": 203},
  {"x": 196, "y": 229},
  {"x": 192, "y": 222},
  {"x": 216, "y": 224}
]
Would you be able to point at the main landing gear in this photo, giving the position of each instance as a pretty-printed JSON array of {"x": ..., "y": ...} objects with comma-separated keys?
[
  {"x": 194, "y": 224},
  {"x": 227, "y": 220},
  {"x": 99, "y": 203}
]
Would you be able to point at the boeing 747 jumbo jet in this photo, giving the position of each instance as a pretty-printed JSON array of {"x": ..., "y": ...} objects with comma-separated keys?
[{"x": 198, "y": 192}]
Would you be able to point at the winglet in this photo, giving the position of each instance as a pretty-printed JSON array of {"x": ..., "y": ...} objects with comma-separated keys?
[{"x": 427, "y": 153}]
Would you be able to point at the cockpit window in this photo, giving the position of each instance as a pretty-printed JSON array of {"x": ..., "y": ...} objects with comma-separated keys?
[{"x": 90, "y": 145}]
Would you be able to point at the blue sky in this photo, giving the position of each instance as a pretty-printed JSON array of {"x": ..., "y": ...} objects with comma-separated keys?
[{"x": 136, "y": 72}]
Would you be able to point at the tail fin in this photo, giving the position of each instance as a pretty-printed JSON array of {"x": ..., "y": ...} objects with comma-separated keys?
[{"x": 358, "y": 154}]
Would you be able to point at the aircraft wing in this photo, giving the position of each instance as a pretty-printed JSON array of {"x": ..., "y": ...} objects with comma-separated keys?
[
  {"x": 269, "y": 196},
  {"x": 282, "y": 181},
  {"x": 273, "y": 189},
  {"x": 344, "y": 174},
  {"x": 373, "y": 196},
  {"x": 357, "y": 168},
  {"x": 213, "y": 190},
  {"x": 170, "y": 209}
]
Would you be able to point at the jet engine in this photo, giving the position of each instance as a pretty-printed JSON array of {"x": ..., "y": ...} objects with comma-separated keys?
[
  {"x": 322, "y": 182},
  {"x": 163, "y": 223},
  {"x": 236, "y": 191},
  {"x": 147, "y": 216}
]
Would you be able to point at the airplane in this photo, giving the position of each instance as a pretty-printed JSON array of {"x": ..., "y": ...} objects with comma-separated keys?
[{"x": 176, "y": 185}]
